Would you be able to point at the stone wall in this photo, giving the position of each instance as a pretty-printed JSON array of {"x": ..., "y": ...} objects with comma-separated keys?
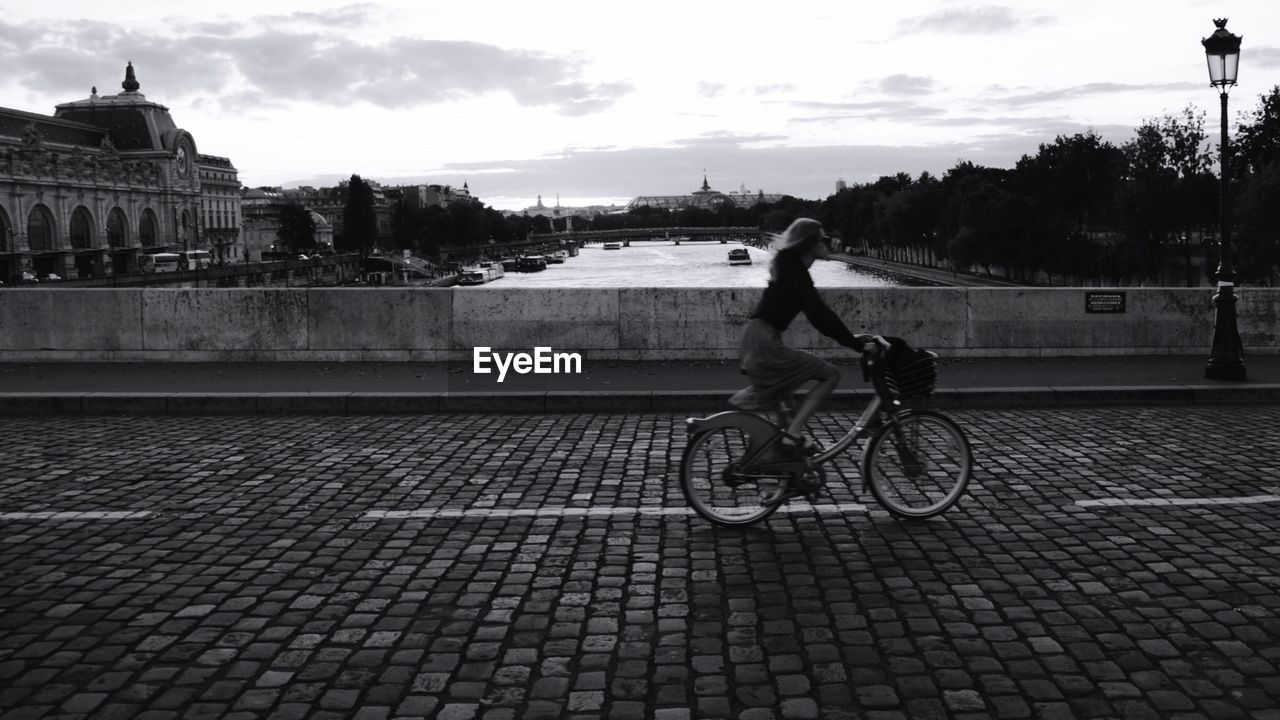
[{"x": 403, "y": 324}]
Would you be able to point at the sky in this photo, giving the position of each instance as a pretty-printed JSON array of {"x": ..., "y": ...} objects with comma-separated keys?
[{"x": 598, "y": 102}]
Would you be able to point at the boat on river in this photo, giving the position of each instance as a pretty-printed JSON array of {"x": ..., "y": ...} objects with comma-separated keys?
[
  {"x": 613, "y": 246},
  {"x": 739, "y": 256},
  {"x": 480, "y": 274},
  {"x": 531, "y": 263}
]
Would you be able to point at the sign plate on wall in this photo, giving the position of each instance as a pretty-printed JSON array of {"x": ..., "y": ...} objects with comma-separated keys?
[{"x": 1104, "y": 302}]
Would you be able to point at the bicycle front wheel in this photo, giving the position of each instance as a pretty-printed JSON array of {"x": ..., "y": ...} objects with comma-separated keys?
[
  {"x": 919, "y": 464},
  {"x": 719, "y": 488}
]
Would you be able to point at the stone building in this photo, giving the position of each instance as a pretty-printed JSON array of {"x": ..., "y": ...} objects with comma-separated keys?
[
  {"x": 706, "y": 198},
  {"x": 220, "y": 211},
  {"x": 261, "y": 224},
  {"x": 86, "y": 191}
]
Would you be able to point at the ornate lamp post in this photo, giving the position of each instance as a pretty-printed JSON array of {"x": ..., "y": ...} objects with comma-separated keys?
[{"x": 1226, "y": 362}]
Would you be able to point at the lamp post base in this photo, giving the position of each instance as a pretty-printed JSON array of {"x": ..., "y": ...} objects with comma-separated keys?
[{"x": 1227, "y": 359}]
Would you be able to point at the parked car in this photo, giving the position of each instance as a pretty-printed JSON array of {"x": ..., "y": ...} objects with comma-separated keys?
[{"x": 51, "y": 276}]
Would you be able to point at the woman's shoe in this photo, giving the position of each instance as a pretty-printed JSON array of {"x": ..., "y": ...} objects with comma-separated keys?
[{"x": 799, "y": 445}]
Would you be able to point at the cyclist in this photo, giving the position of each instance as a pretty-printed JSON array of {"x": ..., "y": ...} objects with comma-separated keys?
[{"x": 775, "y": 370}]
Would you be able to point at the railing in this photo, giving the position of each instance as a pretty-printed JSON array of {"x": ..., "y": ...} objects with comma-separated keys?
[{"x": 213, "y": 275}]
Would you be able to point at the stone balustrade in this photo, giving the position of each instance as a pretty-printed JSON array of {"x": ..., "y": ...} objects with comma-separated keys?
[{"x": 433, "y": 324}]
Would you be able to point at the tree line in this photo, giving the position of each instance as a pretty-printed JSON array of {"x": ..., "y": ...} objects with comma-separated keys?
[{"x": 1079, "y": 208}]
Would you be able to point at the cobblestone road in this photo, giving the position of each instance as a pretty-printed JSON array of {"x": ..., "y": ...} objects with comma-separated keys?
[{"x": 1109, "y": 563}]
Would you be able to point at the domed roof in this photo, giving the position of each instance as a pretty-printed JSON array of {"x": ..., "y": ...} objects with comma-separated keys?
[
  {"x": 133, "y": 122},
  {"x": 319, "y": 219}
]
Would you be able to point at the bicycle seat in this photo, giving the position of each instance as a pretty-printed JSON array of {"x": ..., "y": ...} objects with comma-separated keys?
[{"x": 748, "y": 399}]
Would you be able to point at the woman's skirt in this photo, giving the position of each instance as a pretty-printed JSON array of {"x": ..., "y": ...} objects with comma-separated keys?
[{"x": 774, "y": 369}]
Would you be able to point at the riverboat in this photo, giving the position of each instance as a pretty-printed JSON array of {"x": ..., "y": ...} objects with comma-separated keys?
[
  {"x": 531, "y": 263},
  {"x": 613, "y": 246},
  {"x": 553, "y": 258},
  {"x": 510, "y": 264},
  {"x": 481, "y": 274},
  {"x": 739, "y": 256}
]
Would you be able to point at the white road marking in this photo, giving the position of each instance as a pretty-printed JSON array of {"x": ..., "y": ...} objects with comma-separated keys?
[
  {"x": 72, "y": 515},
  {"x": 560, "y": 511},
  {"x": 1178, "y": 501}
]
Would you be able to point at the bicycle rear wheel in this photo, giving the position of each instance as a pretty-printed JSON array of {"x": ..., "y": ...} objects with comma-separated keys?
[
  {"x": 715, "y": 484},
  {"x": 918, "y": 465}
]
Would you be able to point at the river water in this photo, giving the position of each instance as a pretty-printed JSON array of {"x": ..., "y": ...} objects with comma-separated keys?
[{"x": 665, "y": 264}]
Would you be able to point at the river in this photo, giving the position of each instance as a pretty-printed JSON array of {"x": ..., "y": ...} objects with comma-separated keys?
[{"x": 665, "y": 264}]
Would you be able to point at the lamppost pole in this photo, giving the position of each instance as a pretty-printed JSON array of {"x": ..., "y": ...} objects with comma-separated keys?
[{"x": 1226, "y": 361}]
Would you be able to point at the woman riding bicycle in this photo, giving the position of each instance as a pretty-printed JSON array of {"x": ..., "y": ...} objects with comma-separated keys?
[{"x": 775, "y": 370}]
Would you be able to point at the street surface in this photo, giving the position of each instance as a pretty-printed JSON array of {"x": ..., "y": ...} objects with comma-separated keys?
[{"x": 1108, "y": 563}]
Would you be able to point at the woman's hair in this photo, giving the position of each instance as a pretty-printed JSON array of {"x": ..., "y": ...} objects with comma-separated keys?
[{"x": 799, "y": 237}]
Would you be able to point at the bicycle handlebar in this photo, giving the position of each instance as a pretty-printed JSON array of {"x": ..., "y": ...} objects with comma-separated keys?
[{"x": 872, "y": 367}]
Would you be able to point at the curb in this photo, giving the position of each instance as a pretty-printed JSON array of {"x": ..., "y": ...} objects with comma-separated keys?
[{"x": 612, "y": 402}]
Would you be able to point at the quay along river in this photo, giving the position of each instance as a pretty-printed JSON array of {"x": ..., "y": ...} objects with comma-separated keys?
[{"x": 665, "y": 264}]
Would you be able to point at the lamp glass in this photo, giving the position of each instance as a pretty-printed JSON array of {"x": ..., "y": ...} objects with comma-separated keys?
[{"x": 1217, "y": 69}]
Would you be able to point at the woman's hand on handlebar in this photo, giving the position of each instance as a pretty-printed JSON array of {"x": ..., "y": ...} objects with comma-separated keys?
[{"x": 874, "y": 345}]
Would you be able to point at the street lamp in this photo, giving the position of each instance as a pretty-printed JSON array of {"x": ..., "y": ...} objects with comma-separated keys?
[{"x": 1226, "y": 361}]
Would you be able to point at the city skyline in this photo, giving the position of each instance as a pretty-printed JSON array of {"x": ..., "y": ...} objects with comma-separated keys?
[{"x": 596, "y": 107}]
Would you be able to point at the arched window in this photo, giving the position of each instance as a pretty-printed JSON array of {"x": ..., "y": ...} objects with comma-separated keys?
[
  {"x": 81, "y": 229},
  {"x": 148, "y": 230},
  {"x": 40, "y": 230},
  {"x": 6, "y": 233},
  {"x": 117, "y": 229}
]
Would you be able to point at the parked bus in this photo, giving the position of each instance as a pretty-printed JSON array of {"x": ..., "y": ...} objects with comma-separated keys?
[
  {"x": 194, "y": 259},
  {"x": 159, "y": 262}
]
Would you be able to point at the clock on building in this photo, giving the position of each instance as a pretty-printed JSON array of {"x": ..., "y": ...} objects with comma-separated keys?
[{"x": 184, "y": 160}]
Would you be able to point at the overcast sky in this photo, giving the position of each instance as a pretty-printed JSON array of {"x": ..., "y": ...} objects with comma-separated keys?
[{"x": 602, "y": 101}]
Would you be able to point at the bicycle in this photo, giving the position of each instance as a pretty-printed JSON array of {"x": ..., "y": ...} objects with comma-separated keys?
[{"x": 917, "y": 462}]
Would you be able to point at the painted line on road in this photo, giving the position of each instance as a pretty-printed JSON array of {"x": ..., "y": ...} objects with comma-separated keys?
[
  {"x": 84, "y": 515},
  {"x": 559, "y": 511},
  {"x": 1179, "y": 502}
]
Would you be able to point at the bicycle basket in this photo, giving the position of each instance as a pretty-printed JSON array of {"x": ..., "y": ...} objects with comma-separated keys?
[{"x": 910, "y": 373}]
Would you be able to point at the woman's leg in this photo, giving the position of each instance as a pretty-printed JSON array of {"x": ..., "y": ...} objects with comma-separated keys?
[{"x": 828, "y": 378}]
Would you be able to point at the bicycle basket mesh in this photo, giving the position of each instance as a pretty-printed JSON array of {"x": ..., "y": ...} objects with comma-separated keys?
[{"x": 913, "y": 378}]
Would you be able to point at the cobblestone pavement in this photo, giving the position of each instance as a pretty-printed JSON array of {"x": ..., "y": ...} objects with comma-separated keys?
[{"x": 1109, "y": 563}]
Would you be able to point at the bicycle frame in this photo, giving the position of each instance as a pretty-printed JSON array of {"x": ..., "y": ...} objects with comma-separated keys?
[{"x": 765, "y": 436}]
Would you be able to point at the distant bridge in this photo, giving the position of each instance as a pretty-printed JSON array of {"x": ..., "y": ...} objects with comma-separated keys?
[
  {"x": 720, "y": 234},
  {"x": 546, "y": 242}
]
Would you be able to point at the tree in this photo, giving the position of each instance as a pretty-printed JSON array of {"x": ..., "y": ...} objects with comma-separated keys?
[
  {"x": 1257, "y": 235},
  {"x": 1077, "y": 176},
  {"x": 359, "y": 218},
  {"x": 910, "y": 217},
  {"x": 297, "y": 230},
  {"x": 1257, "y": 143},
  {"x": 1148, "y": 195}
]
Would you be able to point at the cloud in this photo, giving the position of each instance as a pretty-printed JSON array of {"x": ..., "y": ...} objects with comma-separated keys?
[
  {"x": 998, "y": 95},
  {"x": 772, "y": 89},
  {"x": 889, "y": 109},
  {"x": 985, "y": 20},
  {"x": 710, "y": 90},
  {"x": 900, "y": 84},
  {"x": 1268, "y": 57},
  {"x": 299, "y": 57}
]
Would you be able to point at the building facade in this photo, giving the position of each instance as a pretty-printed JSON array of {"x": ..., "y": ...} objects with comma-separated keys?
[
  {"x": 570, "y": 211},
  {"x": 220, "y": 211},
  {"x": 263, "y": 207},
  {"x": 86, "y": 191},
  {"x": 705, "y": 198}
]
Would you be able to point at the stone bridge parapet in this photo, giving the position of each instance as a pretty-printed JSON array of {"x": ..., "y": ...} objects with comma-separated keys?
[{"x": 437, "y": 324}]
